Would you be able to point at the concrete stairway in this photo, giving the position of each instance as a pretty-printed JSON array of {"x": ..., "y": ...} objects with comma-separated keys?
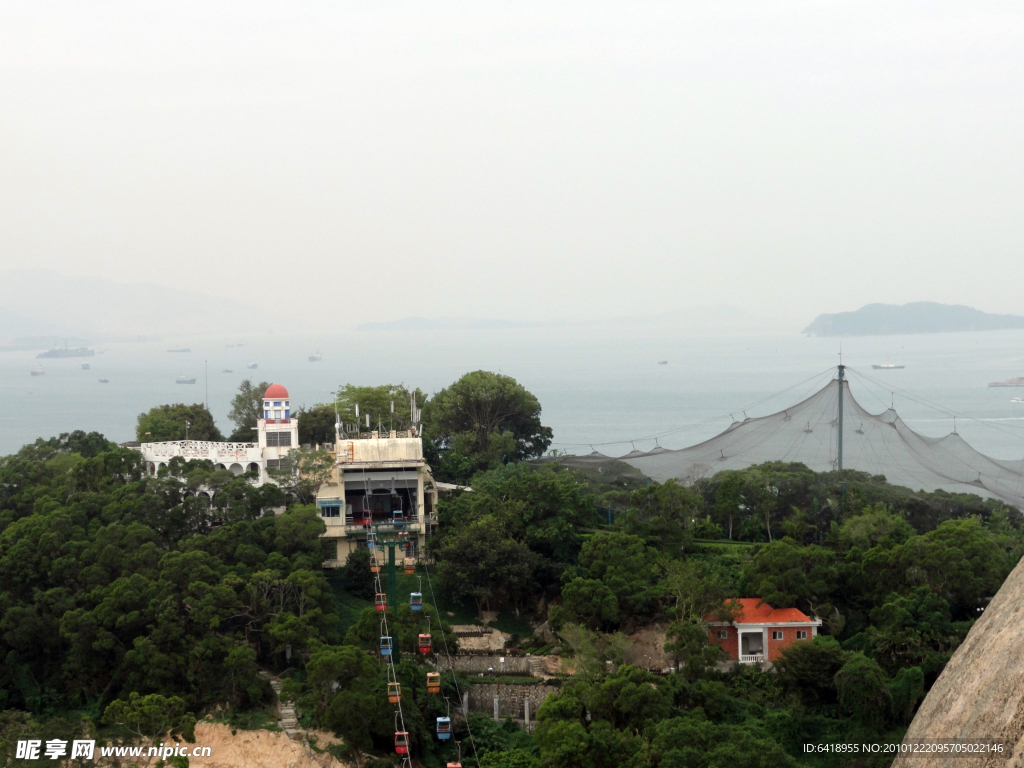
[{"x": 286, "y": 718}]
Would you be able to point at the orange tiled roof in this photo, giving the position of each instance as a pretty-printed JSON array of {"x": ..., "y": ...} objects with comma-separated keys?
[{"x": 752, "y": 613}]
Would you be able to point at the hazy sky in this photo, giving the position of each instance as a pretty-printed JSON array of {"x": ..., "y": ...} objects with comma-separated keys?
[{"x": 549, "y": 160}]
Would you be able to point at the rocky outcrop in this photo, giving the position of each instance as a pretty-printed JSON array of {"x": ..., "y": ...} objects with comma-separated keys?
[{"x": 980, "y": 693}]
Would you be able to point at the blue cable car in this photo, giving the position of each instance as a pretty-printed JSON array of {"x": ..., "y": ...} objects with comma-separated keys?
[
  {"x": 416, "y": 601},
  {"x": 444, "y": 727},
  {"x": 385, "y": 646},
  {"x": 397, "y": 518}
]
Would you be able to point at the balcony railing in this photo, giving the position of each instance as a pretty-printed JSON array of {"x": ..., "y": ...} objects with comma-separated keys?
[{"x": 751, "y": 658}]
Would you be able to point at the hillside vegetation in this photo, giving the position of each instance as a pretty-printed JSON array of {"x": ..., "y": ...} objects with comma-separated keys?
[{"x": 125, "y": 594}]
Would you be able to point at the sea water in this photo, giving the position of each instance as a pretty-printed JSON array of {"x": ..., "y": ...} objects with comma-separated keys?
[{"x": 601, "y": 388}]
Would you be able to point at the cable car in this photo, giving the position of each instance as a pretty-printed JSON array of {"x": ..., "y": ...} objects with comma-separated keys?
[
  {"x": 397, "y": 518},
  {"x": 370, "y": 543},
  {"x": 402, "y": 743},
  {"x": 367, "y": 518},
  {"x": 382, "y": 601},
  {"x": 394, "y": 692},
  {"x": 433, "y": 682},
  {"x": 385, "y": 646},
  {"x": 453, "y": 765},
  {"x": 425, "y": 644},
  {"x": 410, "y": 566},
  {"x": 374, "y": 564},
  {"x": 444, "y": 727},
  {"x": 416, "y": 601}
]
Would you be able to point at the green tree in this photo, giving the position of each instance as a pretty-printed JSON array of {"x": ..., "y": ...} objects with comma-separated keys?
[
  {"x": 663, "y": 513},
  {"x": 863, "y": 690},
  {"x": 590, "y": 603},
  {"x": 247, "y": 409},
  {"x": 809, "y": 669},
  {"x": 481, "y": 421},
  {"x": 479, "y": 561},
  {"x": 152, "y": 716},
  {"x": 316, "y": 425},
  {"x": 785, "y": 574},
  {"x": 168, "y": 422},
  {"x": 624, "y": 564}
]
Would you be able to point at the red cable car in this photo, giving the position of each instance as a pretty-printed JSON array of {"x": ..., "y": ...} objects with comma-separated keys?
[
  {"x": 402, "y": 743},
  {"x": 382, "y": 601},
  {"x": 425, "y": 644}
]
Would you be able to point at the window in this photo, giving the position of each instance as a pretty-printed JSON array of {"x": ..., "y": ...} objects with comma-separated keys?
[
  {"x": 272, "y": 439},
  {"x": 330, "y": 512},
  {"x": 277, "y": 413},
  {"x": 776, "y": 635},
  {"x": 266, "y": 403},
  {"x": 273, "y": 463},
  {"x": 277, "y": 403},
  {"x": 266, "y": 414},
  {"x": 801, "y": 634},
  {"x": 284, "y": 438},
  {"x": 723, "y": 634}
]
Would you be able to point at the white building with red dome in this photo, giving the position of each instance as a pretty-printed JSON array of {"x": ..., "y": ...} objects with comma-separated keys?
[{"x": 276, "y": 434}]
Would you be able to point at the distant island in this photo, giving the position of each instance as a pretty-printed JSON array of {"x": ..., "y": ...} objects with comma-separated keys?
[{"x": 916, "y": 317}]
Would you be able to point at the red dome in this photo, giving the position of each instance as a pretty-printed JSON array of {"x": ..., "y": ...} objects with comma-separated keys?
[{"x": 275, "y": 391}]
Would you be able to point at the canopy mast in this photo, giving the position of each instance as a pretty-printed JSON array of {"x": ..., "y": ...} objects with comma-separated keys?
[{"x": 839, "y": 453}]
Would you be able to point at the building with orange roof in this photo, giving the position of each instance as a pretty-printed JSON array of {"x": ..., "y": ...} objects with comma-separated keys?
[{"x": 758, "y": 632}]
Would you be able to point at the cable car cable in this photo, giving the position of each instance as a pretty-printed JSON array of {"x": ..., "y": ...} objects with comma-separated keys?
[{"x": 448, "y": 655}]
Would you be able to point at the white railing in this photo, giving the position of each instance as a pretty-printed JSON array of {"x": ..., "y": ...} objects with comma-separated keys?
[{"x": 751, "y": 658}]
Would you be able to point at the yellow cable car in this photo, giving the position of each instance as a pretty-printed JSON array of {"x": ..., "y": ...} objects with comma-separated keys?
[
  {"x": 374, "y": 565},
  {"x": 394, "y": 692},
  {"x": 433, "y": 682}
]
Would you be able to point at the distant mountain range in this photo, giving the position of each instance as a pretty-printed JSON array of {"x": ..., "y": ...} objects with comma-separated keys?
[
  {"x": 916, "y": 317},
  {"x": 455, "y": 324},
  {"x": 37, "y": 302}
]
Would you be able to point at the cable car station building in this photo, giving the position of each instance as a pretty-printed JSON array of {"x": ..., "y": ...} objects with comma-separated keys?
[{"x": 380, "y": 478}]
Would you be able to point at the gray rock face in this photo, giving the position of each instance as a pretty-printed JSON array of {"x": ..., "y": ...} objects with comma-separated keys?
[{"x": 980, "y": 693}]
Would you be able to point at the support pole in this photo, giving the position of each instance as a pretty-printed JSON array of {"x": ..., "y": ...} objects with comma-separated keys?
[{"x": 839, "y": 453}]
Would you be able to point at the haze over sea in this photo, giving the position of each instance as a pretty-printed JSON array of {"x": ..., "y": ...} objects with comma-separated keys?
[{"x": 595, "y": 386}]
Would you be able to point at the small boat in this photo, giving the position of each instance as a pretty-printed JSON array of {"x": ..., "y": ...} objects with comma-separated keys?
[
  {"x": 85, "y": 366},
  {"x": 888, "y": 366},
  {"x": 104, "y": 381},
  {"x": 1017, "y": 400},
  {"x": 37, "y": 371},
  {"x": 227, "y": 370},
  {"x": 663, "y": 362},
  {"x": 185, "y": 380},
  {"x": 316, "y": 357},
  {"x": 183, "y": 349},
  {"x": 253, "y": 366}
]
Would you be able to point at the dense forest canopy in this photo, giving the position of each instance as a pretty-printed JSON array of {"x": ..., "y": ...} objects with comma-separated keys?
[{"x": 125, "y": 594}]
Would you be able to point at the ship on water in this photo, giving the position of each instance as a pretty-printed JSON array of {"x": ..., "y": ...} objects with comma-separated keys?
[
  {"x": 104, "y": 381},
  {"x": 85, "y": 366},
  {"x": 1018, "y": 382},
  {"x": 185, "y": 380},
  {"x": 253, "y": 366},
  {"x": 65, "y": 352},
  {"x": 316, "y": 357},
  {"x": 888, "y": 365},
  {"x": 37, "y": 371},
  {"x": 183, "y": 349}
]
